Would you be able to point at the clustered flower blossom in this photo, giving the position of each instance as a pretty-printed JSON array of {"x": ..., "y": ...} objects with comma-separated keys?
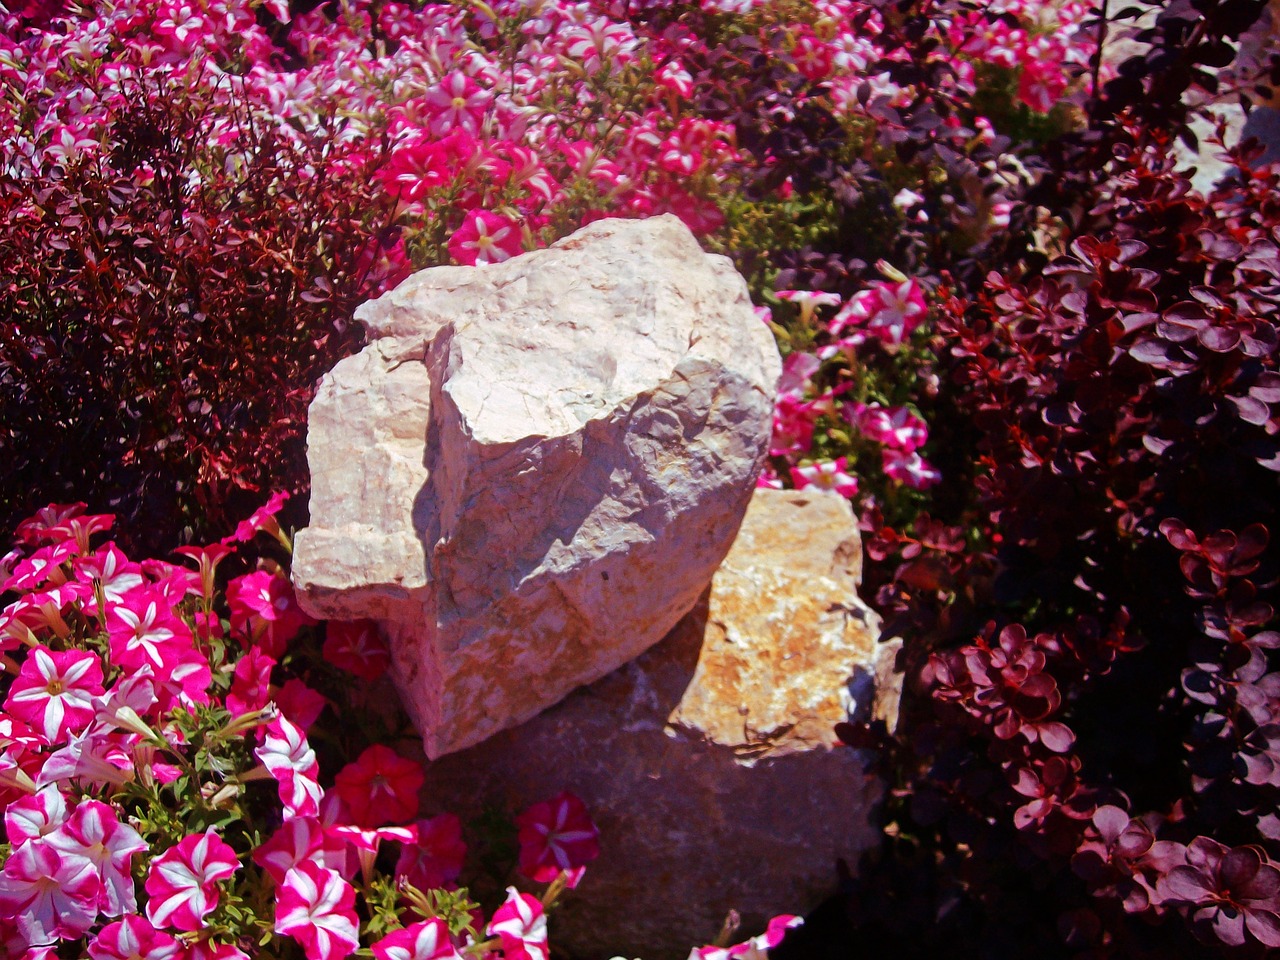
[
  {"x": 106, "y": 731},
  {"x": 884, "y": 315}
]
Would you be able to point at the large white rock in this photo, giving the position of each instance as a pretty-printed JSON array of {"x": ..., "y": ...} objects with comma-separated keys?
[{"x": 532, "y": 471}]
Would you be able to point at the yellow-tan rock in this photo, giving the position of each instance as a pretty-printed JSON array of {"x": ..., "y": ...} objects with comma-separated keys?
[{"x": 709, "y": 763}]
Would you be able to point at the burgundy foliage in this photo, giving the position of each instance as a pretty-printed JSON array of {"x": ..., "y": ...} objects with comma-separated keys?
[{"x": 160, "y": 337}]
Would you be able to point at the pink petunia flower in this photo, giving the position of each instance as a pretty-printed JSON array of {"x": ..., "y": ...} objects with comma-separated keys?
[
  {"x": 521, "y": 924},
  {"x": 357, "y": 648},
  {"x": 434, "y": 858},
  {"x": 380, "y": 787},
  {"x": 316, "y": 907},
  {"x": 35, "y": 816},
  {"x": 53, "y": 692},
  {"x": 895, "y": 427},
  {"x": 264, "y": 518},
  {"x": 183, "y": 881},
  {"x": 485, "y": 237},
  {"x": 112, "y": 569},
  {"x": 95, "y": 832},
  {"x": 143, "y": 630},
  {"x": 39, "y": 527},
  {"x": 299, "y": 839},
  {"x": 556, "y": 835},
  {"x": 456, "y": 102},
  {"x": 207, "y": 560},
  {"x": 265, "y": 610},
  {"x": 291, "y": 761},
  {"x": 250, "y": 683},
  {"x": 299, "y": 703},
  {"x": 133, "y": 938},
  {"x": 826, "y": 476},
  {"x": 909, "y": 468},
  {"x": 47, "y": 894},
  {"x": 428, "y": 940}
]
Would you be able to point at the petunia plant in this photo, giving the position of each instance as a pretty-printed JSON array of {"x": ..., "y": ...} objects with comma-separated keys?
[{"x": 164, "y": 795}]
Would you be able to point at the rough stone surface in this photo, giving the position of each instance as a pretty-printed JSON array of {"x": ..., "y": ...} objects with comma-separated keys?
[
  {"x": 533, "y": 470},
  {"x": 709, "y": 763}
]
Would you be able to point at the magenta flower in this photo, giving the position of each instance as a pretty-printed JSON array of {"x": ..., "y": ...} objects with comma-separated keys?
[
  {"x": 132, "y": 938},
  {"x": 110, "y": 567},
  {"x": 380, "y": 787},
  {"x": 485, "y": 237},
  {"x": 357, "y": 648},
  {"x": 299, "y": 703},
  {"x": 48, "y": 895},
  {"x": 317, "y": 908},
  {"x": 250, "y": 685},
  {"x": 556, "y": 835},
  {"x": 35, "y": 816},
  {"x": 434, "y": 859},
  {"x": 264, "y": 518},
  {"x": 291, "y": 761},
  {"x": 299, "y": 839},
  {"x": 428, "y": 940},
  {"x": 826, "y": 476},
  {"x": 895, "y": 310},
  {"x": 53, "y": 692},
  {"x": 895, "y": 427},
  {"x": 144, "y": 631},
  {"x": 521, "y": 924},
  {"x": 909, "y": 468},
  {"x": 456, "y": 102},
  {"x": 207, "y": 560},
  {"x": 263, "y": 608},
  {"x": 96, "y": 833},
  {"x": 183, "y": 881},
  {"x": 41, "y": 526}
]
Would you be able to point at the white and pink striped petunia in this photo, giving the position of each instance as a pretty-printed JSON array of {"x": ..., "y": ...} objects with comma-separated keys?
[
  {"x": 521, "y": 924},
  {"x": 428, "y": 940},
  {"x": 53, "y": 692},
  {"x": 316, "y": 907},
  {"x": 183, "y": 881}
]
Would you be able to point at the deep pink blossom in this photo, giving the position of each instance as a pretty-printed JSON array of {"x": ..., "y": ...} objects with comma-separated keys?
[
  {"x": 357, "y": 648},
  {"x": 485, "y": 237},
  {"x": 48, "y": 894},
  {"x": 556, "y": 835},
  {"x": 299, "y": 703},
  {"x": 109, "y": 567},
  {"x": 133, "y": 938},
  {"x": 380, "y": 787},
  {"x": 53, "y": 692},
  {"x": 144, "y": 630},
  {"x": 291, "y": 761},
  {"x": 298, "y": 839},
  {"x": 183, "y": 881},
  {"x": 521, "y": 924},
  {"x": 95, "y": 832},
  {"x": 41, "y": 526},
  {"x": 265, "y": 610},
  {"x": 428, "y": 940},
  {"x": 828, "y": 475},
  {"x": 316, "y": 907},
  {"x": 909, "y": 468},
  {"x": 435, "y": 857},
  {"x": 250, "y": 683},
  {"x": 35, "y": 816}
]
